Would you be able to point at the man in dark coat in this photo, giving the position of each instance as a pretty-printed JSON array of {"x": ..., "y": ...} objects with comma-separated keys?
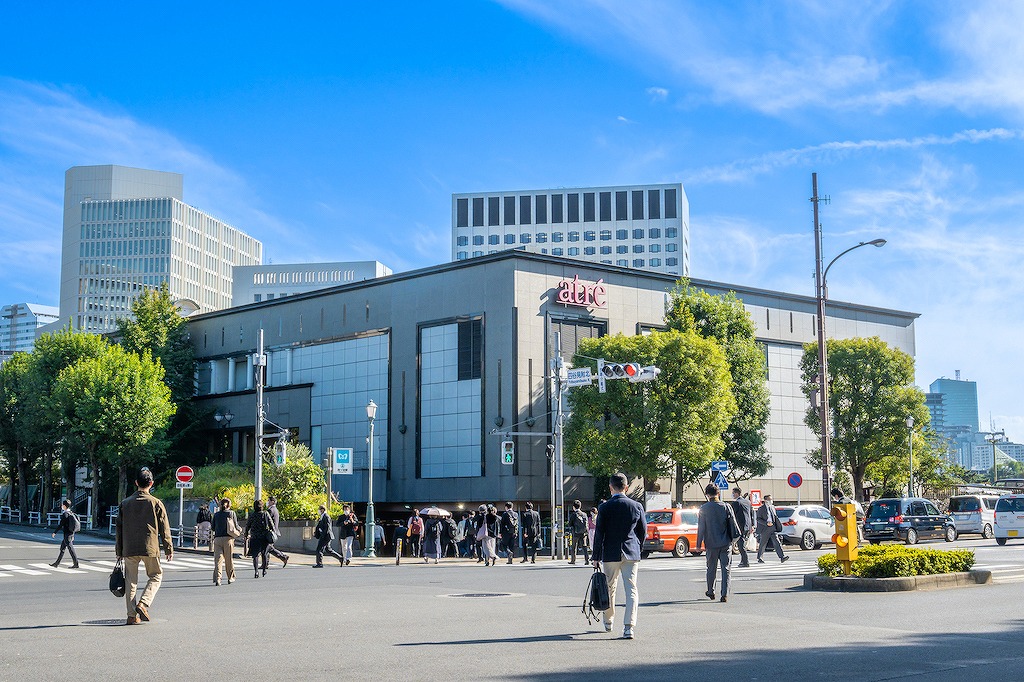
[
  {"x": 768, "y": 527},
  {"x": 67, "y": 525},
  {"x": 275, "y": 518},
  {"x": 142, "y": 527},
  {"x": 531, "y": 533},
  {"x": 509, "y": 530},
  {"x": 716, "y": 530},
  {"x": 324, "y": 535},
  {"x": 744, "y": 514},
  {"x": 618, "y": 538},
  {"x": 577, "y": 527}
]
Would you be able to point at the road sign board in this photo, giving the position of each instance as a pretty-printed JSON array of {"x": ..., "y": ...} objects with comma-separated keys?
[
  {"x": 719, "y": 465},
  {"x": 184, "y": 485},
  {"x": 342, "y": 459},
  {"x": 720, "y": 481},
  {"x": 184, "y": 474},
  {"x": 795, "y": 480},
  {"x": 579, "y": 376},
  {"x": 755, "y": 498}
]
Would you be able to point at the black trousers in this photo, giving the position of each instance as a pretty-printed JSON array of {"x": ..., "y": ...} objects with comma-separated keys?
[
  {"x": 274, "y": 551},
  {"x": 68, "y": 543},
  {"x": 508, "y": 543},
  {"x": 324, "y": 547},
  {"x": 414, "y": 544},
  {"x": 530, "y": 547},
  {"x": 581, "y": 541}
]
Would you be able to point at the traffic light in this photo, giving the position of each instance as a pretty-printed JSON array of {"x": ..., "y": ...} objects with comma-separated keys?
[
  {"x": 618, "y": 370},
  {"x": 649, "y": 373},
  {"x": 508, "y": 452},
  {"x": 280, "y": 450},
  {"x": 845, "y": 536}
]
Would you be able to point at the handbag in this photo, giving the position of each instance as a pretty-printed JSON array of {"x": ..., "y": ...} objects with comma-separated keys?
[
  {"x": 233, "y": 530},
  {"x": 117, "y": 579},
  {"x": 481, "y": 532},
  {"x": 595, "y": 599},
  {"x": 750, "y": 543}
]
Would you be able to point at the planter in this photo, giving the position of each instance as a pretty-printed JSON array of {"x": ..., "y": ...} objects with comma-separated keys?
[{"x": 813, "y": 581}]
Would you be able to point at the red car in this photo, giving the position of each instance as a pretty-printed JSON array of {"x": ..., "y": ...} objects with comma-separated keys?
[{"x": 671, "y": 530}]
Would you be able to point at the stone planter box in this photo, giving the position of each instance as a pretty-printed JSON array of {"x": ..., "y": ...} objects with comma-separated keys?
[
  {"x": 813, "y": 581},
  {"x": 297, "y": 536}
]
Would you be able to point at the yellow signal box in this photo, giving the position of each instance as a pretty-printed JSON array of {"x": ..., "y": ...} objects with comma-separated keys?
[{"x": 845, "y": 536}]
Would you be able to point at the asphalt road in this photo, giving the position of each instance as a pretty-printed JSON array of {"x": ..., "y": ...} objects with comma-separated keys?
[{"x": 428, "y": 622}]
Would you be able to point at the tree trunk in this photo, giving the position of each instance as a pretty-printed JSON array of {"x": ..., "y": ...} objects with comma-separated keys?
[
  {"x": 46, "y": 501},
  {"x": 22, "y": 482},
  {"x": 858, "y": 484},
  {"x": 95, "y": 492},
  {"x": 122, "y": 481},
  {"x": 678, "y": 496},
  {"x": 67, "y": 472}
]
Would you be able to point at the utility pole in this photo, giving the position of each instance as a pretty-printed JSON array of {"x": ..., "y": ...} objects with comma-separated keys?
[
  {"x": 558, "y": 512},
  {"x": 819, "y": 278},
  {"x": 259, "y": 366}
]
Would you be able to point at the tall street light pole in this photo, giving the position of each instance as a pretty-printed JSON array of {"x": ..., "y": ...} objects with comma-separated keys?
[
  {"x": 821, "y": 286},
  {"x": 910, "y": 443},
  {"x": 371, "y": 414}
]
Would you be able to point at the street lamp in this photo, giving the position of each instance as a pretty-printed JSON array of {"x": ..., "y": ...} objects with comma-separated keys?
[
  {"x": 371, "y": 414},
  {"x": 910, "y": 442},
  {"x": 820, "y": 277}
]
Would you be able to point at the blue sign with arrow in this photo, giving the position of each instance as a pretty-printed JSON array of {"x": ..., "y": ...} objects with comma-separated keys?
[
  {"x": 720, "y": 481},
  {"x": 720, "y": 465}
]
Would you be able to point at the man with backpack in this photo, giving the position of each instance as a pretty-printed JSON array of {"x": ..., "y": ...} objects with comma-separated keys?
[
  {"x": 578, "y": 532},
  {"x": 509, "y": 531},
  {"x": 70, "y": 525}
]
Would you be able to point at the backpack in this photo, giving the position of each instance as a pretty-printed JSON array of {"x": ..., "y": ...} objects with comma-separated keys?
[
  {"x": 595, "y": 599},
  {"x": 416, "y": 527},
  {"x": 76, "y": 524},
  {"x": 578, "y": 522}
]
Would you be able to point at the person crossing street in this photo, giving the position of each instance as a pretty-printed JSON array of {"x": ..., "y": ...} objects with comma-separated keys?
[{"x": 68, "y": 525}]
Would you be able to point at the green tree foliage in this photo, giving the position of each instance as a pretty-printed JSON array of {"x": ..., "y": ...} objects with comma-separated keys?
[
  {"x": 724, "y": 319},
  {"x": 12, "y": 435},
  {"x": 871, "y": 394},
  {"x": 646, "y": 429},
  {"x": 112, "y": 405},
  {"x": 299, "y": 486}
]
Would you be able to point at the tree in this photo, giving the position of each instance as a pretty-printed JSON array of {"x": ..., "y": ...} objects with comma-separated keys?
[
  {"x": 871, "y": 395},
  {"x": 646, "y": 429},
  {"x": 12, "y": 415},
  {"x": 113, "y": 405},
  {"x": 299, "y": 485},
  {"x": 724, "y": 319}
]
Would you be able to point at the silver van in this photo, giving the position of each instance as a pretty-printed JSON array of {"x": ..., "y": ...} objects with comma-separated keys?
[{"x": 974, "y": 514}]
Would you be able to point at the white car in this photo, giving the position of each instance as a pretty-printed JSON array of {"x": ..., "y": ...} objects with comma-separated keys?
[
  {"x": 1009, "y": 518},
  {"x": 807, "y": 525},
  {"x": 973, "y": 514}
]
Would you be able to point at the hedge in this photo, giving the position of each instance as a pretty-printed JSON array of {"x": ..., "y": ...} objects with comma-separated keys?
[{"x": 893, "y": 561}]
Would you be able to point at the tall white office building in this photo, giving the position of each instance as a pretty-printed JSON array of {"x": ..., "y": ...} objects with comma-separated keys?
[
  {"x": 127, "y": 230},
  {"x": 18, "y": 324},
  {"x": 646, "y": 227}
]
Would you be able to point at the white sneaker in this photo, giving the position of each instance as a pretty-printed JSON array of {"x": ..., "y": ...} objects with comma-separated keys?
[
  {"x": 607, "y": 627},
  {"x": 628, "y": 632}
]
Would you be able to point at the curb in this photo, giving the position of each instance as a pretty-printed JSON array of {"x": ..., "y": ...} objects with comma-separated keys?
[{"x": 813, "y": 581}]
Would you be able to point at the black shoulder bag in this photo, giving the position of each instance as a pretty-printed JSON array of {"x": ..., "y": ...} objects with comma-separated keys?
[
  {"x": 117, "y": 579},
  {"x": 595, "y": 599}
]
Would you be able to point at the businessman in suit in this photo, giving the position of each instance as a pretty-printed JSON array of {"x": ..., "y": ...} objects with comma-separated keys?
[
  {"x": 324, "y": 535},
  {"x": 768, "y": 525},
  {"x": 618, "y": 539},
  {"x": 716, "y": 529},
  {"x": 744, "y": 514}
]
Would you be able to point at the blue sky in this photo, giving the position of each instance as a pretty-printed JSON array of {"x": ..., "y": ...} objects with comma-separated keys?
[{"x": 339, "y": 132}]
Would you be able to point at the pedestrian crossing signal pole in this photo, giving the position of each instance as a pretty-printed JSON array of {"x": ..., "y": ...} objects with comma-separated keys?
[{"x": 845, "y": 536}]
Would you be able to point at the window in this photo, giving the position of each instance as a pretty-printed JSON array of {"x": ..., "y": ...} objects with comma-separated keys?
[
  {"x": 638, "y": 204},
  {"x": 638, "y": 248},
  {"x": 542, "y": 237},
  {"x": 257, "y": 298},
  {"x": 930, "y": 508},
  {"x": 525, "y": 238},
  {"x": 470, "y": 349},
  {"x": 574, "y": 236},
  {"x": 670, "y": 204},
  {"x": 462, "y": 212},
  {"x": 655, "y": 262},
  {"x": 462, "y": 255},
  {"x": 654, "y": 204},
  {"x": 589, "y": 251},
  {"x": 556, "y": 236},
  {"x": 556, "y": 208},
  {"x": 510, "y": 239},
  {"x": 638, "y": 234},
  {"x": 620, "y": 206},
  {"x": 621, "y": 248},
  {"x": 606, "y": 235},
  {"x": 556, "y": 252},
  {"x": 671, "y": 247},
  {"x": 541, "y": 208},
  {"x": 622, "y": 262},
  {"x": 510, "y": 211},
  {"x": 671, "y": 232},
  {"x": 606, "y": 262},
  {"x": 462, "y": 241},
  {"x": 478, "y": 240},
  {"x": 605, "y": 250},
  {"x": 588, "y": 207},
  {"x": 671, "y": 262},
  {"x": 493, "y": 211},
  {"x": 589, "y": 236},
  {"x": 606, "y": 205},
  {"x": 477, "y": 253},
  {"x": 574, "y": 208},
  {"x": 638, "y": 262},
  {"x": 622, "y": 234},
  {"x": 494, "y": 239},
  {"x": 524, "y": 210},
  {"x": 478, "y": 212},
  {"x": 654, "y": 233},
  {"x": 574, "y": 250},
  {"x": 655, "y": 248}
]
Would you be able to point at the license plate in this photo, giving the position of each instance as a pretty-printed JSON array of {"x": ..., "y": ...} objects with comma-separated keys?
[{"x": 1012, "y": 533}]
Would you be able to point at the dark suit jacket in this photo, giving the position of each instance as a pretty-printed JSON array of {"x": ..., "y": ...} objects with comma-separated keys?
[
  {"x": 275, "y": 517},
  {"x": 531, "y": 523},
  {"x": 762, "y": 520},
  {"x": 621, "y": 530},
  {"x": 744, "y": 514},
  {"x": 713, "y": 525},
  {"x": 65, "y": 525},
  {"x": 324, "y": 526}
]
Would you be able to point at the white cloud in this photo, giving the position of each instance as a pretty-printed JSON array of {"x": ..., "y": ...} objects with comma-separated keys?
[{"x": 657, "y": 94}]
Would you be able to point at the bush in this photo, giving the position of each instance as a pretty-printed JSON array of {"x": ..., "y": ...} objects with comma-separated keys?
[
  {"x": 891, "y": 561},
  {"x": 209, "y": 482}
]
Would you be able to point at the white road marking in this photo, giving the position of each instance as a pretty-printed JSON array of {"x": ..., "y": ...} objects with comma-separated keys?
[
  {"x": 57, "y": 569},
  {"x": 25, "y": 571}
]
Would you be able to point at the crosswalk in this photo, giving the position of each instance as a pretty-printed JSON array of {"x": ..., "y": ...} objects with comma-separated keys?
[
  {"x": 1004, "y": 573},
  {"x": 39, "y": 570},
  {"x": 771, "y": 569}
]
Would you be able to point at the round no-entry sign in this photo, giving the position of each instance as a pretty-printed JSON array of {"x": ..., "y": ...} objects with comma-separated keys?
[
  {"x": 184, "y": 474},
  {"x": 795, "y": 480}
]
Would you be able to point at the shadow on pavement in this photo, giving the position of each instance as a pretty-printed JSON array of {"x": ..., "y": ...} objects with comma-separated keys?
[{"x": 566, "y": 637}]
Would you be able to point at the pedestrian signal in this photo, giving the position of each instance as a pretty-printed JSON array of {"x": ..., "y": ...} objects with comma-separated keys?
[
  {"x": 508, "y": 452},
  {"x": 845, "y": 535}
]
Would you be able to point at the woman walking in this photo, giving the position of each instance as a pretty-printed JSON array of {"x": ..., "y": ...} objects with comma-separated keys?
[
  {"x": 591, "y": 525},
  {"x": 258, "y": 529},
  {"x": 490, "y": 526},
  {"x": 431, "y": 540}
]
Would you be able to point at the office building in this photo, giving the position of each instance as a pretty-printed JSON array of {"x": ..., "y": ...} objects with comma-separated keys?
[
  {"x": 18, "y": 325},
  {"x": 953, "y": 403},
  {"x": 643, "y": 227},
  {"x": 451, "y": 353},
  {"x": 255, "y": 283},
  {"x": 127, "y": 230}
]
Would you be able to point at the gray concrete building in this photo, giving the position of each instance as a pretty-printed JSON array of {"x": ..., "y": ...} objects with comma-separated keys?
[
  {"x": 449, "y": 353},
  {"x": 255, "y": 283}
]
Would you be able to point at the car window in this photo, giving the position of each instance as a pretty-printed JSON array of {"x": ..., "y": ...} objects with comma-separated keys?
[
  {"x": 806, "y": 513},
  {"x": 932, "y": 511},
  {"x": 917, "y": 509},
  {"x": 689, "y": 518},
  {"x": 823, "y": 514},
  {"x": 784, "y": 512},
  {"x": 1010, "y": 504},
  {"x": 883, "y": 509},
  {"x": 659, "y": 517},
  {"x": 990, "y": 502},
  {"x": 964, "y": 504}
]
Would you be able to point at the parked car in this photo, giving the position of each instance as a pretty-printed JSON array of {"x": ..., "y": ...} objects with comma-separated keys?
[
  {"x": 906, "y": 519},
  {"x": 807, "y": 525},
  {"x": 671, "y": 530},
  {"x": 1008, "y": 519},
  {"x": 974, "y": 514}
]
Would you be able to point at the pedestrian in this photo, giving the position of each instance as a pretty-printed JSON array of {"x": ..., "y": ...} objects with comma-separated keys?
[
  {"x": 225, "y": 530},
  {"x": 415, "y": 525},
  {"x": 716, "y": 529},
  {"x": 489, "y": 536},
  {"x": 531, "y": 533},
  {"x": 509, "y": 530},
  {"x": 275, "y": 518},
  {"x": 142, "y": 527},
  {"x": 479, "y": 519},
  {"x": 431, "y": 540},
  {"x": 744, "y": 514},
  {"x": 378, "y": 539},
  {"x": 400, "y": 536},
  {"x": 69, "y": 525},
  {"x": 768, "y": 527},
  {"x": 577, "y": 527},
  {"x": 618, "y": 538},
  {"x": 257, "y": 529},
  {"x": 463, "y": 534},
  {"x": 324, "y": 535},
  {"x": 591, "y": 525},
  {"x": 204, "y": 524},
  {"x": 349, "y": 527}
]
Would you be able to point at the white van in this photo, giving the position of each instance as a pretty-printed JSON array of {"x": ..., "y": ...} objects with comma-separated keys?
[
  {"x": 1009, "y": 518},
  {"x": 973, "y": 514}
]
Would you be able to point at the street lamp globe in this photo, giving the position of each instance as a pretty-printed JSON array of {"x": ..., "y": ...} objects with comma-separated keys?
[
  {"x": 910, "y": 422},
  {"x": 371, "y": 410}
]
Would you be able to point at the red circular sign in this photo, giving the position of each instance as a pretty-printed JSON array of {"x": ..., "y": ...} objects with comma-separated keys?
[
  {"x": 184, "y": 474},
  {"x": 795, "y": 480}
]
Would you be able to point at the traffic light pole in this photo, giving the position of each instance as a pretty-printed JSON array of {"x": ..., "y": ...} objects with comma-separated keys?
[
  {"x": 260, "y": 365},
  {"x": 557, "y": 470}
]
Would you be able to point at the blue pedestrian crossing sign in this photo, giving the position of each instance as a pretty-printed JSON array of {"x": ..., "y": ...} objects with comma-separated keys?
[{"x": 720, "y": 481}]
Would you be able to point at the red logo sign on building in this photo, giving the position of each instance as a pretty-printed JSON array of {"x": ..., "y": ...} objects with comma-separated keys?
[{"x": 582, "y": 294}]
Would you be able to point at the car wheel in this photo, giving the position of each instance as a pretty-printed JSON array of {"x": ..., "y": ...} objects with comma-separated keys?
[
  {"x": 951, "y": 533},
  {"x": 1000, "y": 541},
  {"x": 911, "y": 536},
  {"x": 987, "y": 532},
  {"x": 644, "y": 555},
  {"x": 807, "y": 540},
  {"x": 681, "y": 549}
]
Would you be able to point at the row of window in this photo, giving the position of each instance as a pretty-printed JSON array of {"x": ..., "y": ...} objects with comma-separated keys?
[
  {"x": 587, "y": 251},
  {"x": 628, "y": 205},
  {"x": 572, "y": 236}
]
